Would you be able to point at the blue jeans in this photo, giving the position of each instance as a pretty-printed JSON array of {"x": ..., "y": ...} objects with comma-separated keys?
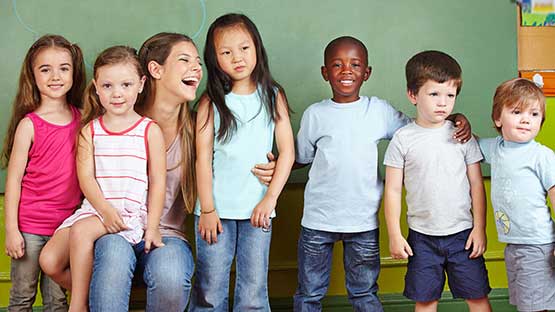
[
  {"x": 361, "y": 260},
  {"x": 24, "y": 274},
  {"x": 166, "y": 271},
  {"x": 251, "y": 248}
]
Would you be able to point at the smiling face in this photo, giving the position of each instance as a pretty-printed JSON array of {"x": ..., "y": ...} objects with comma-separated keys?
[
  {"x": 434, "y": 102},
  {"x": 53, "y": 71},
  {"x": 520, "y": 124},
  {"x": 182, "y": 72},
  {"x": 346, "y": 68},
  {"x": 118, "y": 87},
  {"x": 235, "y": 52}
]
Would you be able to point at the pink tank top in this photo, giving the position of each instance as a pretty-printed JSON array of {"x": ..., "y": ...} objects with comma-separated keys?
[{"x": 49, "y": 188}]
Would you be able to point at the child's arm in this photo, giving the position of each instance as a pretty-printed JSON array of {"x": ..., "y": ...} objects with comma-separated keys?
[
  {"x": 477, "y": 238},
  {"x": 398, "y": 246},
  {"x": 209, "y": 222},
  {"x": 156, "y": 186},
  {"x": 286, "y": 148},
  {"x": 15, "y": 245},
  {"x": 87, "y": 181}
]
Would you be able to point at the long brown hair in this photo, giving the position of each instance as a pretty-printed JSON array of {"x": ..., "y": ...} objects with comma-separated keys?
[
  {"x": 157, "y": 48},
  {"x": 28, "y": 97},
  {"x": 92, "y": 108}
]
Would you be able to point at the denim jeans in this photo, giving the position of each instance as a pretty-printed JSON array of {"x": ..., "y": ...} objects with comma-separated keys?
[
  {"x": 24, "y": 274},
  {"x": 166, "y": 271},
  {"x": 250, "y": 246},
  {"x": 361, "y": 260}
]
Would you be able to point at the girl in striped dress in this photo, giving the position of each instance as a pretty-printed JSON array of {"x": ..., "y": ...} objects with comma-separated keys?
[{"x": 121, "y": 166}]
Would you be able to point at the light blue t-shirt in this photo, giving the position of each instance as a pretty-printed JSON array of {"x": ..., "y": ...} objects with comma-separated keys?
[
  {"x": 344, "y": 190},
  {"x": 236, "y": 191},
  {"x": 521, "y": 175}
]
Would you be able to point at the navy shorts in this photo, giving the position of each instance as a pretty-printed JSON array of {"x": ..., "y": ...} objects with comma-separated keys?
[{"x": 436, "y": 255}]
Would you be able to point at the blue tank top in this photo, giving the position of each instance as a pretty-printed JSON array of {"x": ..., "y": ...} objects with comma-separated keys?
[{"x": 236, "y": 191}]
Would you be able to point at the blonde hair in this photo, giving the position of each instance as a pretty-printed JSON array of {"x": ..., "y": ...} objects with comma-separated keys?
[
  {"x": 157, "y": 48},
  {"x": 516, "y": 93},
  {"x": 92, "y": 108},
  {"x": 28, "y": 97}
]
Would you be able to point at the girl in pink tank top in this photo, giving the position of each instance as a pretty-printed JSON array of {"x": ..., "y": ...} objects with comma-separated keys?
[
  {"x": 121, "y": 165},
  {"x": 39, "y": 152}
]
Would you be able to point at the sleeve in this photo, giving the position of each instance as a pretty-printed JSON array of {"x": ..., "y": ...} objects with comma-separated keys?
[
  {"x": 487, "y": 147},
  {"x": 395, "y": 155},
  {"x": 472, "y": 152},
  {"x": 306, "y": 148},
  {"x": 394, "y": 119},
  {"x": 546, "y": 168}
]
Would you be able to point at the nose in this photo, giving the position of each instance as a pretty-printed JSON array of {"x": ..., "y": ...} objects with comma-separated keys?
[{"x": 442, "y": 102}]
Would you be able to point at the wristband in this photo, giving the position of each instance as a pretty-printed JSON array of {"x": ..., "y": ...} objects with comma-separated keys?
[{"x": 208, "y": 212}]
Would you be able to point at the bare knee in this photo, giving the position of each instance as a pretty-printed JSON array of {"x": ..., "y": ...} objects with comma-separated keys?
[
  {"x": 50, "y": 262},
  {"x": 83, "y": 233},
  {"x": 479, "y": 305},
  {"x": 426, "y": 306}
]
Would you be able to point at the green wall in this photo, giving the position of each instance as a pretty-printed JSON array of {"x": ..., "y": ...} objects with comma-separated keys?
[{"x": 481, "y": 35}]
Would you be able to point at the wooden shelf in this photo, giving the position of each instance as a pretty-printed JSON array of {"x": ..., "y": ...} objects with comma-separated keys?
[{"x": 548, "y": 80}]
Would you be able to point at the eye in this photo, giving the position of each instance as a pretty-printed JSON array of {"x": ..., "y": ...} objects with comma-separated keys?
[
  {"x": 245, "y": 48},
  {"x": 225, "y": 53},
  {"x": 355, "y": 65},
  {"x": 536, "y": 114},
  {"x": 433, "y": 94},
  {"x": 106, "y": 86},
  {"x": 44, "y": 70},
  {"x": 336, "y": 65},
  {"x": 186, "y": 60},
  {"x": 65, "y": 68},
  {"x": 451, "y": 95},
  {"x": 516, "y": 112},
  {"x": 127, "y": 84}
]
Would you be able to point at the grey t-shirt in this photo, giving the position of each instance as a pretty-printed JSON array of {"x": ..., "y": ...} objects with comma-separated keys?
[{"x": 435, "y": 178}]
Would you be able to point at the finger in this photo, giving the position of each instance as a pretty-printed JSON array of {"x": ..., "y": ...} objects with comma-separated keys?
[
  {"x": 214, "y": 234},
  {"x": 220, "y": 227},
  {"x": 148, "y": 244},
  {"x": 159, "y": 244},
  {"x": 270, "y": 156},
  {"x": 468, "y": 243},
  {"x": 253, "y": 219},
  {"x": 408, "y": 250}
]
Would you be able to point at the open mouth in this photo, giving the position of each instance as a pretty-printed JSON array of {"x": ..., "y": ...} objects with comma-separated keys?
[
  {"x": 346, "y": 82},
  {"x": 190, "y": 81}
]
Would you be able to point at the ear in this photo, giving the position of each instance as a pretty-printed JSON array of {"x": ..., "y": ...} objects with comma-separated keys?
[
  {"x": 412, "y": 97},
  {"x": 324, "y": 71},
  {"x": 95, "y": 86},
  {"x": 143, "y": 79},
  {"x": 367, "y": 73},
  {"x": 155, "y": 69},
  {"x": 498, "y": 123}
]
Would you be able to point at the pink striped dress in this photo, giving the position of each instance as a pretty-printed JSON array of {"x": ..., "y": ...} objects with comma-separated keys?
[{"x": 120, "y": 160}]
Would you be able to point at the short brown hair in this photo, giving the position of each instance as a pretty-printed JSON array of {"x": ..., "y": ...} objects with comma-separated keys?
[
  {"x": 432, "y": 65},
  {"x": 516, "y": 93}
]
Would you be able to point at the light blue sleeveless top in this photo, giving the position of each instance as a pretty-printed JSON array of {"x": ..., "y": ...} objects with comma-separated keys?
[{"x": 236, "y": 191}]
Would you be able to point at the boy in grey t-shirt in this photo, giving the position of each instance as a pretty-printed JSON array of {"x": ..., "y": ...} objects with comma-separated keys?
[{"x": 445, "y": 194}]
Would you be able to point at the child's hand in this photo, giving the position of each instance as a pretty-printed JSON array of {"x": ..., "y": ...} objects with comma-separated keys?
[
  {"x": 153, "y": 239},
  {"x": 15, "y": 244},
  {"x": 399, "y": 248},
  {"x": 113, "y": 221},
  {"x": 265, "y": 172},
  {"x": 209, "y": 226},
  {"x": 476, "y": 239},
  {"x": 261, "y": 214},
  {"x": 464, "y": 131}
]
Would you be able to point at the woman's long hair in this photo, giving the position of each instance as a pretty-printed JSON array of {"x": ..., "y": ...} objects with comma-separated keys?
[{"x": 157, "y": 48}]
